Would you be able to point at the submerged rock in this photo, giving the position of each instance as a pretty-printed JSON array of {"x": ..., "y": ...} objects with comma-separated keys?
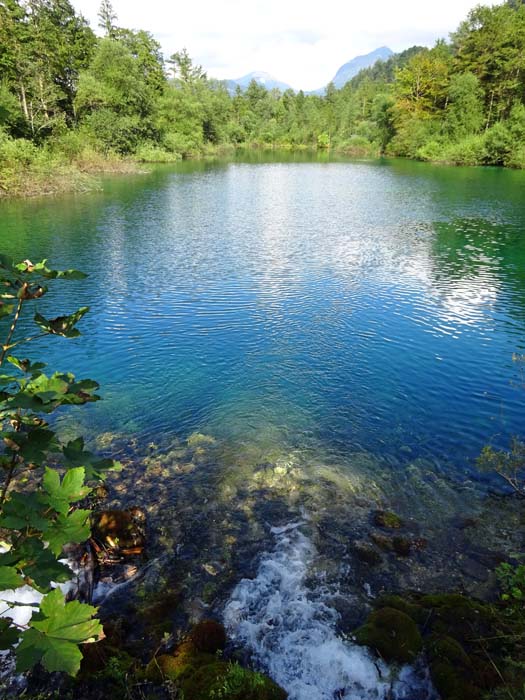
[
  {"x": 367, "y": 553},
  {"x": 402, "y": 546},
  {"x": 200, "y": 440},
  {"x": 122, "y": 529},
  {"x": 387, "y": 519}
]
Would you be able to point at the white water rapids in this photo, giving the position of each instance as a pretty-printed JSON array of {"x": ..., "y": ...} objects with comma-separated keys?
[{"x": 291, "y": 631}]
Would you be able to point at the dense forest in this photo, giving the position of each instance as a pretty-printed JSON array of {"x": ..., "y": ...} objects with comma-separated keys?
[{"x": 72, "y": 100}]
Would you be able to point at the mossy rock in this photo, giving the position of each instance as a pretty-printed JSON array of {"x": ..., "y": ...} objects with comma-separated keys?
[
  {"x": 387, "y": 519},
  {"x": 451, "y": 669},
  {"x": 402, "y": 546},
  {"x": 226, "y": 681},
  {"x": 199, "y": 440},
  {"x": 450, "y": 683},
  {"x": 208, "y": 636},
  {"x": 447, "y": 648},
  {"x": 158, "y": 615},
  {"x": 392, "y": 633},
  {"x": 459, "y": 617},
  {"x": 412, "y": 609},
  {"x": 185, "y": 661}
]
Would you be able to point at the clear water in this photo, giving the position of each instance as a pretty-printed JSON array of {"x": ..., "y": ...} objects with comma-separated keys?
[
  {"x": 339, "y": 329},
  {"x": 349, "y": 306}
]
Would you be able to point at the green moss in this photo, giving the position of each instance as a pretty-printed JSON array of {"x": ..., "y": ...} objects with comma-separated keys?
[
  {"x": 227, "y": 681},
  {"x": 458, "y": 616},
  {"x": 413, "y": 610},
  {"x": 392, "y": 633},
  {"x": 185, "y": 661},
  {"x": 367, "y": 553},
  {"x": 450, "y": 684},
  {"x": 387, "y": 519},
  {"x": 449, "y": 649}
]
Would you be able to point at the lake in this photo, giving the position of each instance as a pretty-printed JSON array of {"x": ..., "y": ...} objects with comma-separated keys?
[{"x": 321, "y": 330}]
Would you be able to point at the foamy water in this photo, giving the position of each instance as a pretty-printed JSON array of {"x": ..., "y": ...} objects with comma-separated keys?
[{"x": 291, "y": 630}]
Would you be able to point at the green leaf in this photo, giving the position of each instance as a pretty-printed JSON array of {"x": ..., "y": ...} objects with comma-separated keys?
[
  {"x": 21, "y": 511},
  {"x": 62, "y": 325},
  {"x": 44, "y": 394},
  {"x": 32, "y": 446},
  {"x": 95, "y": 467},
  {"x": 67, "y": 528},
  {"x": 60, "y": 495},
  {"x": 9, "y": 578},
  {"x": 37, "y": 564},
  {"x": 26, "y": 366},
  {"x": 42, "y": 269},
  {"x": 53, "y": 638},
  {"x": 9, "y": 636}
]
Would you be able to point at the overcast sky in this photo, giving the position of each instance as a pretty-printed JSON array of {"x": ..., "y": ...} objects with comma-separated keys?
[{"x": 300, "y": 42}]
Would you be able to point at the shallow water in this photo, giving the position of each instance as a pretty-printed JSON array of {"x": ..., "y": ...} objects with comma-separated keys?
[{"x": 335, "y": 336}]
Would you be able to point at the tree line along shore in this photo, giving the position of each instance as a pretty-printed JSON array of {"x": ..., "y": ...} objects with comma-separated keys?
[{"x": 73, "y": 104}]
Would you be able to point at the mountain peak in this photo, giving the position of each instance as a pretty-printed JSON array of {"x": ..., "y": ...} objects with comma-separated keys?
[{"x": 352, "y": 68}]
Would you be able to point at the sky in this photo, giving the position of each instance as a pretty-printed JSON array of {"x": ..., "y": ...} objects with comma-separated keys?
[{"x": 300, "y": 42}]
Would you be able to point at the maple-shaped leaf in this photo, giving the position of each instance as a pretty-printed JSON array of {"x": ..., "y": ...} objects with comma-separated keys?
[
  {"x": 66, "y": 529},
  {"x": 26, "y": 365},
  {"x": 60, "y": 494},
  {"x": 54, "y": 635}
]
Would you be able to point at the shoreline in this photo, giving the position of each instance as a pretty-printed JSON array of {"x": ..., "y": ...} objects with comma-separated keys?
[{"x": 83, "y": 176}]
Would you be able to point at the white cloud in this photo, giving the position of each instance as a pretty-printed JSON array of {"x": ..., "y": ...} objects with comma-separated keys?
[{"x": 300, "y": 42}]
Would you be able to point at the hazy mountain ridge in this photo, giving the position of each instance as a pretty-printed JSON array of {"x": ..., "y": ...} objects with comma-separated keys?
[
  {"x": 345, "y": 73},
  {"x": 260, "y": 77}
]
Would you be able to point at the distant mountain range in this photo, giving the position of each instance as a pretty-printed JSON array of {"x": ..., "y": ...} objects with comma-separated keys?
[
  {"x": 260, "y": 77},
  {"x": 343, "y": 75}
]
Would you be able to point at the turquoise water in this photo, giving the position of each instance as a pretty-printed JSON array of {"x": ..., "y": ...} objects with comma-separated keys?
[{"x": 337, "y": 305}]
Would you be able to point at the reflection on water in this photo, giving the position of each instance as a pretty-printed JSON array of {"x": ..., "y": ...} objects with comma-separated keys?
[{"x": 357, "y": 306}]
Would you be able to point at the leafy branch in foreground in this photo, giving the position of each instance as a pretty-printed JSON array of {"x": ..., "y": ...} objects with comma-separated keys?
[
  {"x": 39, "y": 519},
  {"x": 509, "y": 464}
]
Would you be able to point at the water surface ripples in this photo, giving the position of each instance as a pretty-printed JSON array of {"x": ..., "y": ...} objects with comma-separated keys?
[{"x": 372, "y": 306}]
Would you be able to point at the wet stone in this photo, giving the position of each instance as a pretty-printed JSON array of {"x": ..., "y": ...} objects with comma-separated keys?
[
  {"x": 384, "y": 542},
  {"x": 402, "y": 546},
  {"x": 387, "y": 519},
  {"x": 366, "y": 553},
  {"x": 473, "y": 569}
]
